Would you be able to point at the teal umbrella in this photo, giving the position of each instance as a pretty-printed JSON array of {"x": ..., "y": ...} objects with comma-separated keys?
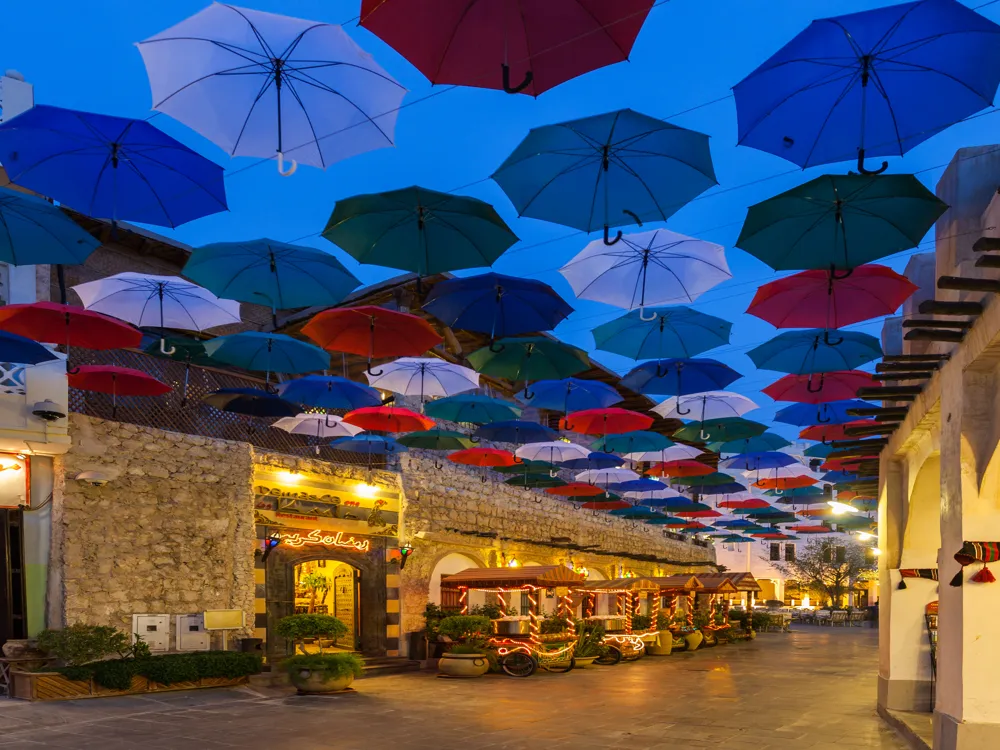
[
  {"x": 267, "y": 352},
  {"x": 182, "y": 349},
  {"x": 419, "y": 230},
  {"x": 765, "y": 442},
  {"x": 662, "y": 333},
  {"x": 720, "y": 430},
  {"x": 705, "y": 480},
  {"x": 531, "y": 481},
  {"x": 472, "y": 408},
  {"x": 531, "y": 358},
  {"x": 814, "y": 351},
  {"x": 528, "y": 467},
  {"x": 840, "y": 222},
  {"x": 818, "y": 451},
  {"x": 637, "y": 441},
  {"x": 436, "y": 440}
]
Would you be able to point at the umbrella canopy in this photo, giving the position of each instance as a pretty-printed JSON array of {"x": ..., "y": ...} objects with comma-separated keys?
[
  {"x": 609, "y": 421},
  {"x": 14, "y": 348},
  {"x": 822, "y": 299},
  {"x": 679, "y": 377},
  {"x": 784, "y": 483},
  {"x": 839, "y": 385},
  {"x": 674, "y": 452},
  {"x": 190, "y": 351},
  {"x": 606, "y": 171},
  {"x": 648, "y": 268},
  {"x": 53, "y": 323},
  {"x": 534, "y": 48},
  {"x": 636, "y": 487},
  {"x": 742, "y": 523},
  {"x": 806, "y": 529},
  {"x": 713, "y": 479},
  {"x": 496, "y": 305},
  {"x": 767, "y": 441},
  {"x": 531, "y": 358},
  {"x": 317, "y": 425},
  {"x": 656, "y": 498},
  {"x": 575, "y": 489},
  {"x": 607, "y": 478},
  {"x": 838, "y": 476},
  {"x": 679, "y": 468},
  {"x": 605, "y": 504},
  {"x": 816, "y": 351},
  {"x": 436, "y": 440},
  {"x": 733, "y": 428},
  {"x": 329, "y": 392},
  {"x": 483, "y": 457},
  {"x": 110, "y": 167},
  {"x": 222, "y": 73},
  {"x": 388, "y": 419},
  {"x": 669, "y": 521},
  {"x": 594, "y": 460},
  {"x": 828, "y": 432},
  {"x": 570, "y": 394},
  {"x": 118, "y": 381},
  {"x": 831, "y": 412},
  {"x": 755, "y": 461},
  {"x": 270, "y": 273},
  {"x": 35, "y": 231},
  {"x": 735, "y": 539},
  {"x": 708, "y": 405},
  {"x": 632, "y": 442},
  {"x": 554, "y": 452},
  {"x": 529, "y": 467},
  {"x": 267, "y": 352},
  {"x": 424, "y": 376},
  {"x": 251, "y": 402},
  {"x": 515, "y": 431},
  {"x": 818, "y": 450},
  {"x": 369, "y": 445},
  {"x": 160, "y": 301},
  {"x": 876, "y": 72},
  {"x": 472, "y": 408},
  {"x": 662, "y": 333},
  {"x": 419, "y": 230},
  {"x": 840, "y": 221},
  {"x": 799, "y": 492},
  {"x": 732, "y": 488},
  {"x": 635, "y": 514},
  {"x": 534, "y": 481}
]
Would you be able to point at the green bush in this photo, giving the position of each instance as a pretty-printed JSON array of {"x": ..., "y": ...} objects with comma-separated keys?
[
  {"x": 491, "y": 611},
  {"x": 298, "y": 628},
  {"x": 80, "y": 644},
  {"x": 760, "y": 620},
  {"x": 589, "y": 639},
  {"x": 641, "y": 622},
  {"x": 333, "y": 666},
  {"x": 463, "y": 627},
  {"x": 554, "y": 624},
  {"x": 466, "y": 648},
  {"x": 663, "y": 620},
  {"x": 116, "y": 674}
]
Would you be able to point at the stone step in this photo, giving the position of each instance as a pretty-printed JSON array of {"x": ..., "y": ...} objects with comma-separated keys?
[{"x": 379, "y": 666}]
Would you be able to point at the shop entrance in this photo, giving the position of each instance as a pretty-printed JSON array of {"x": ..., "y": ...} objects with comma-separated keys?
[
  {"x": 330, "y": 587},
  {"x": 13, "y": 605}
]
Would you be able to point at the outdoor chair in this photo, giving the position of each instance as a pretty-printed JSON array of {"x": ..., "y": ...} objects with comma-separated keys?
[
  {"x": 838, "y": 618},
  {"x": 823, "y": 617}
]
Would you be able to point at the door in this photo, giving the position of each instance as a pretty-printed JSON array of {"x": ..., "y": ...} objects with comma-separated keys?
[{"x": 13, "y": 603}]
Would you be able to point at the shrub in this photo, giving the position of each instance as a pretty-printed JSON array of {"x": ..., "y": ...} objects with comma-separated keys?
[
  {"x": 589, "y": 639},
  {"x": 81, "y": 644},
  {"x": 641, "y": 622},
  {"x": 333, "y": 666},
  {"x": 554, "y": 624},
  {"x": 463, "y": 627},
  {"x": 760, "y": 620},
  {"x": 491, "y": 611},
  {"x": 662, "y": 620},
  {"x": 116, "y": 674},
  {"x": 701, "y": 619},
  {"x": 299, "y": 627},
  {"x": 466, "y": 648}
]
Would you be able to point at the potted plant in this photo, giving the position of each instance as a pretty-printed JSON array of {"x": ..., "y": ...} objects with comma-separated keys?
[
  {"x": 317, "y": 673},
  {"x": 705, "y": 626},
  {"x": 691, "y": 635},
  {"x": 554, "y": 628},
  {"x": 467, "y": 658},
  {"x": 664, "y": 642},
  {"x": 641, "y": 624},
  {"x": 589, "y": 644}
]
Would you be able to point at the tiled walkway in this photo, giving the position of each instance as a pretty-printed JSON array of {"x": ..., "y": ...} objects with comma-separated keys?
[{"x": 812, "y": 689}]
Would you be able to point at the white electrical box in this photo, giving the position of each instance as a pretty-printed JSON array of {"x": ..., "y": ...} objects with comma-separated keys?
[
  {"x": 191, "y": 633},
  {"x": 154, "y": 630}
]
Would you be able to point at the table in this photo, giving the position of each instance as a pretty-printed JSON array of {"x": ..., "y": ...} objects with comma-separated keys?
[{"x": 6, "y": 663}]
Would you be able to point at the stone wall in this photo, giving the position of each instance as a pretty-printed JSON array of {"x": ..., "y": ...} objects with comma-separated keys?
[{"x": 171, "y": 533}]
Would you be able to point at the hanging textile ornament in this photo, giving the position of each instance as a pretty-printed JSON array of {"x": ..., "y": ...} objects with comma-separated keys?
[
  {"x": 972, "y": 552},
  {"x": 931, "y": 574}
]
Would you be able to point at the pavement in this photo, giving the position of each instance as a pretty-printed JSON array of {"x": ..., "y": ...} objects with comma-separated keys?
[{"x": 811, "y": 689}]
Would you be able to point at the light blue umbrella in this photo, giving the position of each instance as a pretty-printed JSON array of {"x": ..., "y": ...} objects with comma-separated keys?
[
  {"x": 329, "y": 392},
  {"x": 831, "y": 412},
  {"x": 515, "y": 431},
  {"x": 670, "y": 332},
  {"x": 369, "y": 445},
  {"x": 768, "y": 441},
  {"x": 267, "y": 352},
  {"x": 24, "y": 351},
  {"x": 812, "y": 350}
]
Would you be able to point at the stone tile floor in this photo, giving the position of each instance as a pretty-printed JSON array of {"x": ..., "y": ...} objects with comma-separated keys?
[{"x": 812, "y": 689}]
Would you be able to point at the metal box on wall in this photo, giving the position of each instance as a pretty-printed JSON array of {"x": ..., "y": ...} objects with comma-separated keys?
[
  {"x": 153, "y": 629},
  {"x": 191, "y": 633}
]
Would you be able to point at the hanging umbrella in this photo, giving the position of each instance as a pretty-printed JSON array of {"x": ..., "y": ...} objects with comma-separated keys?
[
  {"x": 222, "y": 73},
  {"x": 831, "y": 412},
  {"x": 116, "y": 381},
  {"x": 369, "y": 445},
  {"x": 594, "y": 460},
  {"x": 656, "y": 498},
  {"x": 110, "y": 167},
  {"x": 574, "y": 490},
  {"x": 472, "y": 408},
  {"x": 840, "y": 222},
  {"x": 251, "y": 402},
  {"x": 648, "y": 268},
  {"x": 783, "y": 483},
  {"x": 882, "y": 80},
  {"x": 767, "y": 441},
  {"x": 553, "y": 452},
  {"x": 713, "y": 479},
  {"x": 636, "y": 487},
  {"x": 742, "y": 523},
  {"x": 668, "y": 521},
  {"x": 267, "y": 352},
  {"x": 529, "y": 467},
  {"x": 424, "y": 376},
  {"x": 732, "y": 488},
  {"x": 829, "y": 432},
  {"x": 708, "y": 405},
  {"x": 635, "y": 514},
  {"x": 36, "y": 232},
  {"x": 800, "y": 492},
  {"x": 607, "y": 478},
  {"x": 607, "y": 504},
  {"x": 757, "y": 460},
  {"x": 679, "y": 468},
  {"x": 316, "y": 425},
  {"x": 372, "y": 332},
  {"x": 670, "y": 332},
  {"x": 329, "y": 392},
  {"x": 632, "y": 442},
  {"x": 270, "y": 273},
  {"x": 609, "y": 421},
  {"x": 419, "y": 230},
  {"x": 534, "y": 481},
  {"x": 734, "y": 428},
  {"x": 388, "y": 419},
  {"x": 814, "y": 351},
  {"x": 821, "y": 299},
  {"x": 189, "y": 351},
  {"x": 606, "y": 171},
  {"x": 483, "y": 457},
  {"x": 531, "y": 358},
  {"x": 14, "y": 348},
  {"x": 679, "y": 377},
  {"x": 734, "y": 539},
  {"x": 508, "y": 46},
  {"x": 53, "y": 323},
  {"x": 518, "y": 432},
  {"x": 839, "y": 385},
  {"x": 819, "y": 450},
  {"x": 835, "y": 477},
  {"x": 675, "y": 452},
  {"x": 496, "y": 305},
  {"x": 571, "y": 394},
  {"x": 436, "y": 440},
  {"x": 844, "y": 464}
]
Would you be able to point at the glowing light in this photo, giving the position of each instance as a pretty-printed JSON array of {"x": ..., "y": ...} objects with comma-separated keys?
[
  {"x": 513, "y": 563},
  {"x": 21, "y": 456},
  {"x": 289, "y": 476},
  {"x": 876, "y": 551},
  {"x": 840, "y": 508},
  {"x": 864, "y": 536},
  {"x": 366, "y": 490}
]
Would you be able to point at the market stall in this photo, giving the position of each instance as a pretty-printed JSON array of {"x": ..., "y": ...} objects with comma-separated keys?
[
  {"x": 677, "y": 594},
  {"x": 628, "y": 609},
  {"x": 712, "y": 601}
]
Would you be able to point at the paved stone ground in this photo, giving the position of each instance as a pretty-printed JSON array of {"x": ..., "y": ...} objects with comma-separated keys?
[{"x": 812, "y": 689}]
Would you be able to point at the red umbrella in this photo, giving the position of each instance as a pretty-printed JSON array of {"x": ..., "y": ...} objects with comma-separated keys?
[
  {"x": 606, "y": 505},
  {"x": 694, "y": 525},
  {"x": 52, "y": 323},
  {"x": 818, "y": 299},
  {"x": 611, "y": 421},
  {"x": 784, "y": 483},
  {"x": 681, "y": 468},
  {"x": 841, "y": 385},
  {"x": 372, "y": 332},
  {"x": 814, "y": 512},
  {"x": 772, "y": 535},
  {"x": 118, "y": 381},
  {"x": 698, "y": 513},
  {"x": 828, "y": 432},
  {"x": 483, "y": 457},
  {"x": 810, "y": 529},
  {"x": 845, "y": 464},
  {"x": 507, "y": 44},
  {"x": 745, "y": 504},
  {"x": 576, "y": 489},
  {"x": 388, "y": 419}
]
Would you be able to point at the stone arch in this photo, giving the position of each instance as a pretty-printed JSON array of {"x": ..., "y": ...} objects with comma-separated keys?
[
  {"x": 595, "y": 574},
  {"x": 922, "y": 533},
  {"x": 451, "y": 562}
]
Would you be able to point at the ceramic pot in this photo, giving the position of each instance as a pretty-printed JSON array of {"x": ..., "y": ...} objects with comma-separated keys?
[
  {"x": 693, "y": 640},
  {"x": 315, "y": 681},
  {"x": 463, "y": 665},
  {"x": 583, "y": 662},
  {"x": 663, "y": 645}
]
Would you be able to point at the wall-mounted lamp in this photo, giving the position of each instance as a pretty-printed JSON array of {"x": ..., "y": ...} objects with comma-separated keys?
[{"x": 272, "y": 541}]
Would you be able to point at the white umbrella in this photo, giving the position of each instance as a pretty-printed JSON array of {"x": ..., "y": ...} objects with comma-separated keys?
[
  {"x": 663, "y": 494},
  {"x": 158, "y": 301},
  {"x": 783, "y": 472},
  {"x": 606, "y": 477},
  {"x": 704, "y": 406},
  {"x": 676, "y": 452},
  {"x": 647, "y": 268},
  {"x": 261, "y": 84},
  {"x": 424, "y": 376},
  {"x": 554, "y": 452},
  {"x": 318, "y": 426}
]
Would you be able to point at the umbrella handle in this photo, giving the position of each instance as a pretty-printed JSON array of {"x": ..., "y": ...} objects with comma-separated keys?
[
  {"x": 438, "y": 465},
  {"x": 370, "y": 372},
  {"x": 528, "y": 78},
  {"x": 679, "y": 410},
  {"x": 642, "y": 317},
  {"x": 483, "y": 478},
  {"x": 527, "y": 396},
  {"x": 703, "y": 435},
  {"x": 820, "y": 420},
  {"x": 496, "y": 351},
  {"x": 474, "y": 439},
  {"x": 281, "y": 166},
  {"x": 553, "y": 473},
  {"x": 861, "y": 164},
  {"x": 809, "y": 384},
  {"x": 72, "y": 370},
  {"x": 607, "y": 237},
  {"x": 828, "y": 342},
  {"x": 164, "y": 350}
]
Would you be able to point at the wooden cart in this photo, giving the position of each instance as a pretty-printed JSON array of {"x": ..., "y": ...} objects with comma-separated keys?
[{"x": 621, "y": 600}]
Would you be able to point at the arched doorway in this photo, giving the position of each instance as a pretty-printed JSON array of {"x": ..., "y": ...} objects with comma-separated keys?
[
  {"x": 330, "y": 587},
  {"x": 453, "y": 562}
]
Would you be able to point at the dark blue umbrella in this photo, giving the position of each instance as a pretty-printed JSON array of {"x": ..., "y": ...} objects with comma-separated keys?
[
  {"x": 836, "y": 477},
  {"x": 635, "y": 514},
  {"x": 252, "y": 402},
  {"x": 644, "y": 484},
  {"x": 595, "y": 460},
  {"x": 815, "y": 350},
  {"x": 515, "y": 431},
  {"x": 110, "y": 167},
  {"x": 571, "y": 394},
  {"x": 662, "y": 332},
  {"x": 329, "y": 392},
  {"x": 369, "y": 445},
  {"x": 832, "y": 412},
  {"x": 497, "y": 305},
  {"x": 879, "y": 81},
  {"x": 729, "y": 488},
  {"x": 758, "y": 460},
  {"x": 679, "y": 377},
  {"x": 24, "y": 351}
]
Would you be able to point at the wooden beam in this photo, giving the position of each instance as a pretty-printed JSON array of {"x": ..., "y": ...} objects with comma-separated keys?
[
  {"x": 969, "y": 284},
  {"x": 885, "y": 411},
  {"x": 945, "y": 307},
  {"x": 927, "y": 334},
  {"x": 894, "y": 376},
  {"x": 988, "y": 261},
  {"x": 915, "y": 357},
  {"x": 886, "y": 393},
  {"x": 917, "y": 323},
  {"x": 905, "y": 366},
  {"x": 986, "y": 244}
]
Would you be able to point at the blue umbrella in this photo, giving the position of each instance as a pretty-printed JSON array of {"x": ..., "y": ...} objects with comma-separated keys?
[
  {"x": 34, "y": 231},
  {"x": 606, "y": 171},
  {"x": 472, "y": 408},
  {"x": 250, "y": 401},
  {"x": 644, "y": 484},
  {"x": 836, "y": 477},
  {"x": 637, "y": 441},
  {"x": 812, "y": 351},
  {"x": 595, "y": 460},
  {"x": 832, "y": 412},
  {"x": 767, "y": 441},
  {"x": 882, "y": 80},
  {"x": 670, "y": 332},
  {"x": 497, "y": 305},
  {"x": 679, "y": 377},
  {"x": 24, "y": 351},
  {"x": 329, "y": 392},
  {"x": 739, "y": 524},
  {"x": 730, "y": 488},
  {"x": 570, "y": 394},
  {"x": 758, "y": 460},
  {"x": 819, "y": 450},
  {"x": 110, "y": 167},
  {"x": 267, "y": 352},
  {"x": 369, "y": 445},
  {"x": 270, "y": 273},
  {"x": 515, "y": 431}
]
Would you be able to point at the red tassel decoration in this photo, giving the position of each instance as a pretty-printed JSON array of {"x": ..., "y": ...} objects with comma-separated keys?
[{"x": 984, "y": 576}]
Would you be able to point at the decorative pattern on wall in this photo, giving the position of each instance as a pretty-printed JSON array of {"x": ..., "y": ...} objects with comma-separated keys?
[{"x": 928, "y": 573}]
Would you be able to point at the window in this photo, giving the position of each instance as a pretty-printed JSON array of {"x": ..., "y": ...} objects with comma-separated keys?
[
  {"x": 450, "y": 599},
  {"x": 841, "y": 554},
  {"x": 789, "y": 552},
  {"x": 775, "y": 551}
]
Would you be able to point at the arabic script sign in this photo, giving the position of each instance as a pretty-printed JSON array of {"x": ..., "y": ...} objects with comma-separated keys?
[{"x": 325, "y": 538}]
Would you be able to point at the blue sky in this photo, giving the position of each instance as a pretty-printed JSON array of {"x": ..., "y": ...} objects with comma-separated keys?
[{"x": 690, "y": 52}]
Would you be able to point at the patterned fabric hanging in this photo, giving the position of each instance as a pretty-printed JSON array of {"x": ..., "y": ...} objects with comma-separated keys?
[
  {"x": 930, "y": 574},
  {"x": 972, "y": 552}
]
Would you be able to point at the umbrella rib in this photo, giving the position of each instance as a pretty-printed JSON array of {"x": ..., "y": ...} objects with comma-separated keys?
[
  {"x": 152, "y": 190},
  {"x": 312, "y": 128},
  {"x": 227, "y": 46},
  {"x": 310, "y": 80},
  {"x": 178, "y": 173},
  {"x": 829, "y": 115},
  {"x": 298, "y": 39},
  {"x": 562, "y": 173},
  {"x": 624, "y": 165},
  {"x": 338, "y": 64},
  {"x": 927, "y": 69},
  {"x": 260, "y": 37},
  {"x": 888, "y": 221},
  {"x": 97, "y": 186},
  {"x": 268, "y": 80},
  {"x": 228, "y": 71},
  {"x": 451, "y": 39}
]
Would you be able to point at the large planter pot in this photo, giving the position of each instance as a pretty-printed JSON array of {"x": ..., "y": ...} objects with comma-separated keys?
[
  {"x": 663, "y": 645},
  {"x": 584, "y": 662},
  {"x": 463, "y": 665},
  {"x": 711, "y": 639},
  {"x": 693, "y": 640},
  {"x": 318, "y": 681}
]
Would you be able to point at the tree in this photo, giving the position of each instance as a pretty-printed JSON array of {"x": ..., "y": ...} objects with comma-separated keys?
[{"x": 830, "y": 566}]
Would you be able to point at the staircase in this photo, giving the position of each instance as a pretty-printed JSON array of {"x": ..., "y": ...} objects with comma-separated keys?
[{"x": 378, "y": 666}]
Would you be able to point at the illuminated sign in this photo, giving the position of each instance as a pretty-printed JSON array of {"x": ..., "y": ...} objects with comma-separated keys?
[{"x": 327, "y": 539}]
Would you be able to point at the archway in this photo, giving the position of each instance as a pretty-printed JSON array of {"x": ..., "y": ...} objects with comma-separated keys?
[
  {"x": 453, "y": 562},
  {"x": 329, "y": 587}
]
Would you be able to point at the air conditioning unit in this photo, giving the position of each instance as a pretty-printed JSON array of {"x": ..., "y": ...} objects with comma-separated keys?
[
  {"x": 191, "y": 633},
  {"x": 154, "y": 630}
]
